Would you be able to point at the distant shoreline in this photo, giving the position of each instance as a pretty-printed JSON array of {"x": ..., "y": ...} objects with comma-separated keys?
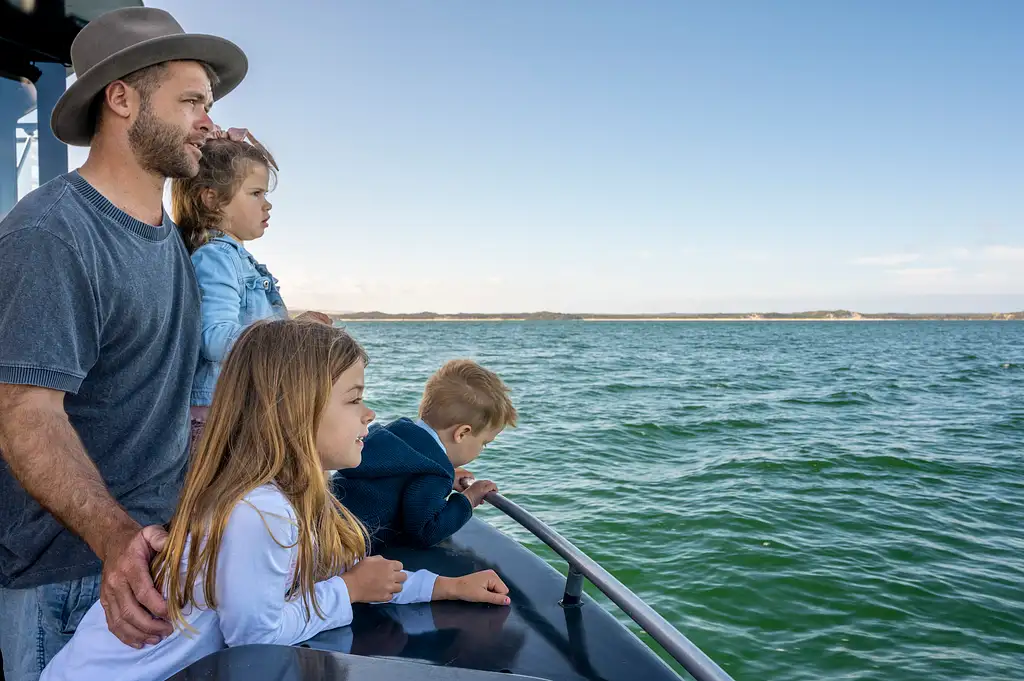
[{"x": 814, "y": 316}]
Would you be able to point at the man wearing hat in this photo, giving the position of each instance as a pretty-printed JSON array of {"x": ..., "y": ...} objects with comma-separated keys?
[{"x": 99, "y": 339}]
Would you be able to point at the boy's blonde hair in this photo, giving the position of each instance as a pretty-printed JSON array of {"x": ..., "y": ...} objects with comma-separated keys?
[
  {"x": 262, "y": 428},
  {"x": 464, "y": 393}
]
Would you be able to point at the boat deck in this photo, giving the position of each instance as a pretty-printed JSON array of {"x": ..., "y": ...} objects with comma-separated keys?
[{"x": 534, "y": 637}]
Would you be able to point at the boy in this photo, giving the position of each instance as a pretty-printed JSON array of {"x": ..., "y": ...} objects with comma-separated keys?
[{"x": 402, "y": 490}]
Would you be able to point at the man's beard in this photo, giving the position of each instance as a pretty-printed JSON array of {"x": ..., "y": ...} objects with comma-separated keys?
[{"x": 159, "y": 147}]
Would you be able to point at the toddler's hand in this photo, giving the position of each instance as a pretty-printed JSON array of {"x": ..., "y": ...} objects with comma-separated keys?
[
  {"x": 374, "y": 580},
  {"x": 478, "y": 490},
  {"x": 480, "y": 587},
  {"x": 461, "y": 481}
]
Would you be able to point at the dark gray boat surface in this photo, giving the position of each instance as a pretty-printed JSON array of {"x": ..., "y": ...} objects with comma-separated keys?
[
  {"x": 535, "y": 636},
  {"x": 281, "y": 663}
]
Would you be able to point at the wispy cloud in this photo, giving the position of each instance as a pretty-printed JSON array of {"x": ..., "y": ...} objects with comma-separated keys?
[
  {"x": 888, "y": 260},
  {"x": 1004, "y": 253},
  {"x": 996, "y": 253},
  {"x": 922, "y": 272}
]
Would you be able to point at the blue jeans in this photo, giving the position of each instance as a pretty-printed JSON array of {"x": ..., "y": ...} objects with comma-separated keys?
[{"x": 36, "y": 623}]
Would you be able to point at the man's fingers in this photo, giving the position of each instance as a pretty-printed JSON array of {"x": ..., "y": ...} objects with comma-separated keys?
[
  {"x": 146, "y": 594},
  {"x": 133, "y": 614},
  {"x": 156, "y": 537},
  {"x": 126, "y": 633},
  {"x": 401, "y": 577},
  {"x": 114, "y": 608}
]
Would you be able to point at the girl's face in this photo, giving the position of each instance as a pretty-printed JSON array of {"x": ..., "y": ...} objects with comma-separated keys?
[
  {"x": 247, "y": 215},
  {"x": 343, "y": 425}
]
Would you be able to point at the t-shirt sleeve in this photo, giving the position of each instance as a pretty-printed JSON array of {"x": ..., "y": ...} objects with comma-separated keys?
[{"x": 49, "y": 321}]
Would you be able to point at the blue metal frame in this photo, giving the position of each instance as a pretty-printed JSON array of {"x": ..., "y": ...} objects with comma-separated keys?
[{"x": 16, "y": 103}]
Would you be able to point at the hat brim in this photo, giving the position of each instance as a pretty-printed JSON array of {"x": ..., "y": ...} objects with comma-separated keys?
[{"x": 70, "y": 120}]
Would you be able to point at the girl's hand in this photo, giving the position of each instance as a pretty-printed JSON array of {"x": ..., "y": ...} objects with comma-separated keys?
[
  {"x": 478, "y": 490},
  {"x": 479, "y": 587},
  {"x": 374, "y": 580}
]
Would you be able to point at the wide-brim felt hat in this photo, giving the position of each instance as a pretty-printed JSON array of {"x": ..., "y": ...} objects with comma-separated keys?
[{"x": 125, "y": 40}]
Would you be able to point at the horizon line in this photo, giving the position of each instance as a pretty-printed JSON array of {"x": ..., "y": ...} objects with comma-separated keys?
[{"x": 822, "y": 313}]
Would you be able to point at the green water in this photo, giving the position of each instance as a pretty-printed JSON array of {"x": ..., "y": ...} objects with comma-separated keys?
[{"x": 802, "y": 500}]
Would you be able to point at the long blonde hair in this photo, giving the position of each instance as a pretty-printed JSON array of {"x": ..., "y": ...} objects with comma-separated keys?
[{"x": 261, "y": 430}]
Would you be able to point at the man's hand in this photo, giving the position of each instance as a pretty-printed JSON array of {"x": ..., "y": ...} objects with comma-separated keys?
[
  {"x": 463, "y": 479},
  {"x": 478, "y": 490},
  {"x": 127, "y": 590},
  {"x": 45, "y": 455},
  {"x": 314, "y": 316},
  {"x": 480, "y": 587},
  {"x": 233, "y": 134}
]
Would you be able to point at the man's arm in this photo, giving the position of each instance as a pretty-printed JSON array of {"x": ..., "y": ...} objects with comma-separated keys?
[{"x": 46, "y": 456}]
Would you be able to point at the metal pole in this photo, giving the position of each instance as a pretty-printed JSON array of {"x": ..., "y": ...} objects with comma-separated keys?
[
  {"x": 573, "y": 595},
  {"x": 53, "y": 154},
  {"x": 24, "y": 154},
  {"x": 10, "y": 94},
  {"x": 16, "y": 99},
  {"x": 693, "y": 659}
]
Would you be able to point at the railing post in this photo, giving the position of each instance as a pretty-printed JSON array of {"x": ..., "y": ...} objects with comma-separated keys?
[{"x": 573, "y": 596}]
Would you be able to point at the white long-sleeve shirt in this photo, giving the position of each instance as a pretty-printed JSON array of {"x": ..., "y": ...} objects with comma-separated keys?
[{"x": 253, "y": 575}]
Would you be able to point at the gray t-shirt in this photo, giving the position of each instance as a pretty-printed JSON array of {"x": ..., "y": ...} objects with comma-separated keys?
[{"x": 106, "y": 309}]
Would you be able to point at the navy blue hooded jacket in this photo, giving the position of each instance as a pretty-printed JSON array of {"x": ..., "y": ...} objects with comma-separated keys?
[{"x": 402, "y": 489}]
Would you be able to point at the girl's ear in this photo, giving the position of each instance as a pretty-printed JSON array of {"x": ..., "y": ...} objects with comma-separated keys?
[{"x": 209, "y": 198}]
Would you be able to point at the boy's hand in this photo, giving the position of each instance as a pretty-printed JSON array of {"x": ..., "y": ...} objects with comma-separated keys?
[
  {"x": 374, "y": 580},
  {"x": 461, "y": 482},
  {"x": 478, "y": 490},
  {"x": 479, "y": 587}
]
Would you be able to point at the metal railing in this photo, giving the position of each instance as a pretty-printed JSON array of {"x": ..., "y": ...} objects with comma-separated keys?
[{"x": 693, "y": 659}]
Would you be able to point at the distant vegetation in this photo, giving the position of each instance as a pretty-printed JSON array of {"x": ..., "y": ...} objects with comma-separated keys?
[{"x": 823, "y": 315}]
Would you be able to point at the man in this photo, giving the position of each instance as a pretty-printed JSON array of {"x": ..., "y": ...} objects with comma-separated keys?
[{"x": 99, "y": 339}]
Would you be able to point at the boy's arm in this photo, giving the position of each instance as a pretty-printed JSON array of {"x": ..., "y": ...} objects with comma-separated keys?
[{"x": 429, "y": 515}]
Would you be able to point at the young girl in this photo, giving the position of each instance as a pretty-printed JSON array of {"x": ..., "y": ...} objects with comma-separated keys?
[
  {"x": 258, "y": 550},
  {"x": 217, "y": 211}
]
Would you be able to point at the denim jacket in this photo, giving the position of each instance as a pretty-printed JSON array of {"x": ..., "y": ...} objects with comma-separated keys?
[{"x": 236, "y": 291}]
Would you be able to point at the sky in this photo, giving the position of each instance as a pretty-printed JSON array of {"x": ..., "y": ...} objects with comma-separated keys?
[{"x": 635, "y": 157}]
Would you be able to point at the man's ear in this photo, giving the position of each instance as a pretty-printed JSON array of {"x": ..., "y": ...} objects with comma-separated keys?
[
  {"x": 120, "y": 99},
  {"x": 461, "y": 432}
]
